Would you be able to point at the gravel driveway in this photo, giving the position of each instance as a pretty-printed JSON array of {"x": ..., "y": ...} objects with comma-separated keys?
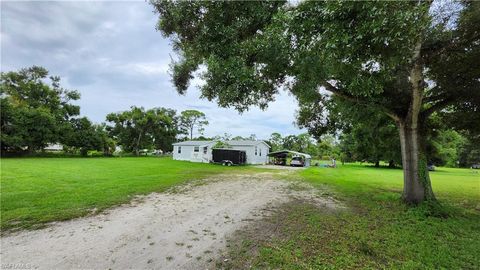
[{"x": 185, "y": 229}]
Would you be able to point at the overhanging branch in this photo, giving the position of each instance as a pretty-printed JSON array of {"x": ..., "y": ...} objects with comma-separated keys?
[
  {"x": 437, "y": 107},
  {"x": 336, "y": 91},
  {"x": 451, "y": 45}
]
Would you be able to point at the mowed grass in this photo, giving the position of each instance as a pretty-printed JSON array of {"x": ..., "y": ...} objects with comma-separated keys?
[
  {"x": 451, "y": 185},
  {"x": 35, "y": 191},
  {"x": 376, "y": 231}
]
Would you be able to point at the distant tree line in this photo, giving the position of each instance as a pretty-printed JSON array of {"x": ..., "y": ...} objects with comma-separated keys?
[
  {"x": 366, "y": 135},
  {"x": 36, "y": 112},
  {"x": 372, "y": 140},
  {"x": 375, "y": 142}
]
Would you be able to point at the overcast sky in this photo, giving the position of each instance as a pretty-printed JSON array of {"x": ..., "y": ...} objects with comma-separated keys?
[{"x": 111, "y": 53}]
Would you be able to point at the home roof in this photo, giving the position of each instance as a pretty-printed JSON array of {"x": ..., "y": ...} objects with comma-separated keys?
[
  {"x": 194, "y": 143},
  {"x": 245, "y": 143},
  {"x": 232, "y": 143}
]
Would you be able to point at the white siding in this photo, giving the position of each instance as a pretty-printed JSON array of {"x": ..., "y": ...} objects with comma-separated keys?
[
  {"x": 259, "y": 158},
  {"x": 264, "y": 154},
  {"x": 188, "y": 153}
]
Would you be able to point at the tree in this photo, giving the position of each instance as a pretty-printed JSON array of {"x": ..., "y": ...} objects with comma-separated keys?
[
  {"x": 374, "y": 143},
  {"x": 347, "y": 148},
  {"x": 290, "y": 142},
  {"x": 460, "y": 118},
  {"x": 325, "y": 146},
  {"x": 222, "y": 144},
  {"x": 304, "y": 142},
  {"x": 404, "y": 58},
  {"x": 165, "y": 131},
  {"x": 10, "y": 138},
  {"x": 84, "y": 136},
  {"x": 276, "y": 142},
  {"x": 300, "y": 143},
  {"x": 143, "y": 129},
  {"x": 469, "y": 153},
  {"x": 447, "y": 146},
  {"x": 108, "y": 143},
  {"x": 371, "y": 135},
  {"x": 35, "y": 109},
  {"x": 191, "y": 119}
]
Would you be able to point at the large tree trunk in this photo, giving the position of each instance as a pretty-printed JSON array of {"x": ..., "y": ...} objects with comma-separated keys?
[
  {"x": 416, "y": 187},
  {"x": 416, "y": 181}
]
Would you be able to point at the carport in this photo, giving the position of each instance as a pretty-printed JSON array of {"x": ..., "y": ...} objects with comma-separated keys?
[{"x": 280, "y": 157}]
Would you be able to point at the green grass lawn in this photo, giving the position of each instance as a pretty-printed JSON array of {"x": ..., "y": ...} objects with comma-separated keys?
[
  {"x": 35, "y": 191},
  {"x": 450, "y": 185},
  {"x": 376, "y": 231}
]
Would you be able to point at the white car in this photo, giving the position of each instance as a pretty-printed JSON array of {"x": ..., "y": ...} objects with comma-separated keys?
[{"x": 297, "y": 161}]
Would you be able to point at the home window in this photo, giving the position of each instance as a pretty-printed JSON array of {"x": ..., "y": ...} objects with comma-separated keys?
[
  {"x": 196, "y": 149},
  {"x": 260, "y": 152},
  {"x": 179, "y": 149},
  {"x": 256, "y": 151},
  {"x": 205, "y": 149}
]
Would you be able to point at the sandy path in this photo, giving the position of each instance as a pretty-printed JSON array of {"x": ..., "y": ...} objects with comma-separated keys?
[{"x": 184, "y": 230}]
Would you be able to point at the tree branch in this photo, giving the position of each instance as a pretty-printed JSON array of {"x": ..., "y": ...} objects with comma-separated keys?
[
  {"x": 434, "y": 98},
  {"x": 451, "y": 45},
  {"x": 334, "y": 90},
  {"x": 437, "y": 106}
]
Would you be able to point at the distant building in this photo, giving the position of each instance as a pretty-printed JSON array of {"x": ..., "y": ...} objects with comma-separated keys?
[
  {"x": 201, "y": 151},
  {"x": 53, "y": 147}
]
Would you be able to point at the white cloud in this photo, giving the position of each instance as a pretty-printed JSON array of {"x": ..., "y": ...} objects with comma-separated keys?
[
  {"x": 112, "y": 54},
  {"x": 149, "y": 68}
]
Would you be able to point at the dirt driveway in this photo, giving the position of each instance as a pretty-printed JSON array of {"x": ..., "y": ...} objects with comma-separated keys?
[{"x": 184, "y": 229}]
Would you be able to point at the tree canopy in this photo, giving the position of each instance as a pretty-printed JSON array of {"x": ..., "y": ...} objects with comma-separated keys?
[
  {"x": 191, "y": 119},
  {"x": 139, "y": 129},
  {"x": 84, "y": 136},
  {"x": 35, "y": 109},
  {"x": 405, "y": 59}
]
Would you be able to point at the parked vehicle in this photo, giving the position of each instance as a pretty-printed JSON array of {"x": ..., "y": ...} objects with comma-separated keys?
[
  {"x": 297, "y": 161},
  {"x": 282, "y": 161},
  {"x": 476, "y": 166},
  {"x": 229, "y": 157}
]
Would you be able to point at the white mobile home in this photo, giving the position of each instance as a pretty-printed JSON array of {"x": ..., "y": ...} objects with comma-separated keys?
[
  {"x": 201, "y": 151},
  {"x": 195, "y": 151},
  {"x": 257, "y": 151}
]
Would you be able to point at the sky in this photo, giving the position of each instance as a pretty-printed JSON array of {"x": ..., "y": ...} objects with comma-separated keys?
[{"x": 112, "y": 54}]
